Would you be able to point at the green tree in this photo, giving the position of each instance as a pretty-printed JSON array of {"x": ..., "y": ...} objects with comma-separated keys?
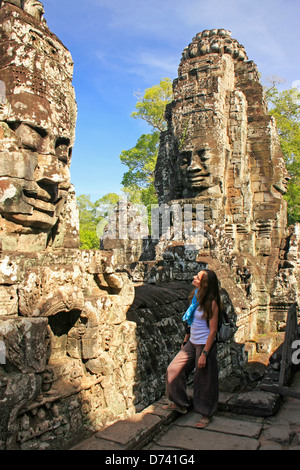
[
  {"x": 152, "y": 103},
  {"x": 138, "y": 180},
  {"x": 141, "y": 159},
  {"x": 90, "y": 214},
  {"x": 285, "y": 107},
  {"x": 87, "y": 223}
]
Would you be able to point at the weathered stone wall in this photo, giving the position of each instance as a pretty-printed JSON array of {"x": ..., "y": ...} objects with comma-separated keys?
[
  {"x": 68, "y": 345},
  {"x": 68, "y": 352},
  {"x": 157, "y": 311}
]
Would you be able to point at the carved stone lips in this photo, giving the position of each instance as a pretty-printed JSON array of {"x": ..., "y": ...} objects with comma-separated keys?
[
  {"x": 42, "y": 200},
  {"x": 42, "y": 206},
  {"x": 198, "y": 178}
]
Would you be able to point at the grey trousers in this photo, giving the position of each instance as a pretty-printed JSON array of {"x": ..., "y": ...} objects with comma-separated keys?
[{"x": 206, "y": 380}]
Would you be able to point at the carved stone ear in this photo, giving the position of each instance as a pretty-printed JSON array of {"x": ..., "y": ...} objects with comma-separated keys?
[
  {"x": 17, "y": 3},
  {"x": 34, "y": 8}
]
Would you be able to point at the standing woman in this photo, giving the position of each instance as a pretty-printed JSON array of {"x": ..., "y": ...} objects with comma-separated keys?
[{"x": 199, "y": 352}]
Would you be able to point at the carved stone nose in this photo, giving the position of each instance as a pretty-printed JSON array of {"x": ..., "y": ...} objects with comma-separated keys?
[
  {"x": 48, "y": 146},
  {"x": 196, "y": 165},
  {"x": 49, "y": 175}
]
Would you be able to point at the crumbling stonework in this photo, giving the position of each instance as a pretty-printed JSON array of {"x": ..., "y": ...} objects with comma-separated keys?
[
  {"x": 68, "y": 352},
  {"x": 68, "y": 342}
]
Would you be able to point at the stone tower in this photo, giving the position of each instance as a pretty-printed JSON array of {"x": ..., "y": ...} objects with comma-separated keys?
[
  {"x": 62, "y": 310},
  {"x": 221, "y": 149},
  {"x": 37, "y": 125}
]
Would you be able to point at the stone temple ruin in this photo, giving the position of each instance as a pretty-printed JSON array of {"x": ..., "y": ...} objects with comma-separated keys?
[{"x": 86, "y": 335}]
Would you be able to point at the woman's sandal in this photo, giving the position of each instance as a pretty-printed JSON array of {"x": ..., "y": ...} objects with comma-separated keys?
[
  {"x": 173, "y": 407},
  {"x": 203, "y": 422}
]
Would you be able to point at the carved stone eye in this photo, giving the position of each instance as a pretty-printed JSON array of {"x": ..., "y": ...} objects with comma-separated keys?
[
  {"x": 62, "y": 150},
  {"x": 203, "y": 154},
  {"x": 29, "y": 137},
  {"x": 185, "y": 159}
]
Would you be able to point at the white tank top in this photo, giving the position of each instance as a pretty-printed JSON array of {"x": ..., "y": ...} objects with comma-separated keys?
[{"x": 199, "y": 328}]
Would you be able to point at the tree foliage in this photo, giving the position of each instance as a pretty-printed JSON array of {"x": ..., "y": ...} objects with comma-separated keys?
[
  {"x": 285, "y": 107},
  {"x": 141, "y": 159},
  {"x": 152, "y": 103},
  {"x": 90, "y": 214}
]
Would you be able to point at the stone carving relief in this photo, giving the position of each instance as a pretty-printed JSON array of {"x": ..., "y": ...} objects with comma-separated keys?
[
  {"x": 34, "y": 8},
  {"x": 37, "y": 127},
  {"x": 70, "y": 341}
]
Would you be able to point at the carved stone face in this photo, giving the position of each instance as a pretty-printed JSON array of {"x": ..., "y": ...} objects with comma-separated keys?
[
  {"x": 37, "y": 125},
  {"x": 201, "y": 165},
  {"x": 281, "y": 176},
  {"x": 34, "y": 174},
  {"x": 196, "y": 170}
]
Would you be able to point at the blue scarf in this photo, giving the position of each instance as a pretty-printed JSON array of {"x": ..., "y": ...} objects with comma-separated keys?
[{"x": 189, "y": 314}]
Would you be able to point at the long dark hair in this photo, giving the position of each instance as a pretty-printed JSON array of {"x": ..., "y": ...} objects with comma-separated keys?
[{"x": 207, "y": 293}]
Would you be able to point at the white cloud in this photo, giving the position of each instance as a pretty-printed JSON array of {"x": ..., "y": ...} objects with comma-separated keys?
[
  {"x": 267, "y": 28},
  {"x": 148, "y": 64}
]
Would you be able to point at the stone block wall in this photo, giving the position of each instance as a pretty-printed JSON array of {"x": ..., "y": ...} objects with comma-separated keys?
[{"x": 70, "y": 352}]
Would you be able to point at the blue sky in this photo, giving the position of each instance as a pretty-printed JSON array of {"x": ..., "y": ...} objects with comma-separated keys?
[{"x": 123, "y": 46}]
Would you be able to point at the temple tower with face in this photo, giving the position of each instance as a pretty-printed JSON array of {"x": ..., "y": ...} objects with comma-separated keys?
[
  {"x": 221, "y": 149},
  {"x": 37, "y": 124}
]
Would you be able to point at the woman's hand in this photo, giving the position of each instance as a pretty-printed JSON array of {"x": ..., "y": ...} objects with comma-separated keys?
[
  {"x": 186, "y": 338},
  {"x": 213, "y": 327},
  {"x": 202, "y": 361}
]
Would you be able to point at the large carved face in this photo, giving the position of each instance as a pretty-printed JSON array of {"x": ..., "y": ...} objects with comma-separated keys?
[
  {"x": 37, "y": 124},
  {"x": 196, "y": 169},
  {"x": 35, "y": 176},
  {"x": 201, "y": 165}
]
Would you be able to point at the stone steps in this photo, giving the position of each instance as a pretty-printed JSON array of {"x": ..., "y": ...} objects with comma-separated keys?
[
  {"x": 156, "y": 430},
  {"x": 155, "y": 426},
  {"x": 132, "y": 433}
]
